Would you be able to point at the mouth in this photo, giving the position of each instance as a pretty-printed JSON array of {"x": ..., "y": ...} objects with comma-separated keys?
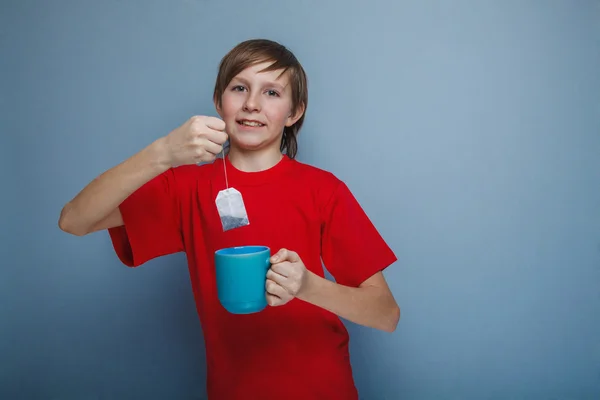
[{"x": 250, "y": 122}]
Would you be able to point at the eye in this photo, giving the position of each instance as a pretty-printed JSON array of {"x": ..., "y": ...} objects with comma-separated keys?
[
  {"x": 238, "y": 88},
  {"x": 272, "y": 93}
]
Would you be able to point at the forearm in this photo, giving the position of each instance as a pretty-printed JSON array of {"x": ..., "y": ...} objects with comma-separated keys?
[
  {"x": 105, "y": 193},
  {"x": 369, "y": 305}
]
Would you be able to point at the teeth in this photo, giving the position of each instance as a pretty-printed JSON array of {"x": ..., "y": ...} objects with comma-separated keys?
[{"x": 250, "y": 123}]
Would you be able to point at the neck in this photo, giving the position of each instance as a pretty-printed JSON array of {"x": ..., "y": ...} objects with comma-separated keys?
[{"x": 254, "y": 161}]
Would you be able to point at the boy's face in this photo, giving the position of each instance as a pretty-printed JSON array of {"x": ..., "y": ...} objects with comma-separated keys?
[{"x": 256, "y": 106}]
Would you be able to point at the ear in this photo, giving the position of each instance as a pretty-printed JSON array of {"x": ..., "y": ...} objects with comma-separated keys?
[
  {"x": 218, "y": 107},
  {"x": 294, "y": 117}
]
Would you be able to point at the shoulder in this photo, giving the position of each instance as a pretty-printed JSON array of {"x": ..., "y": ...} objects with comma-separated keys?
[
  {"x": 324, "y": 185},
  {"x": 315, "y": 176}
]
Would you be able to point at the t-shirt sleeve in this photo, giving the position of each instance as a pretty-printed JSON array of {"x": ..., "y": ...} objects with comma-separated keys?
[
  {"x": 351, "y": 247},
  {"x": 152, "y": 222}
]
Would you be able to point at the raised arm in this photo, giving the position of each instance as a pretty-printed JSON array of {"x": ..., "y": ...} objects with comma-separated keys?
[{"x": 96, "y": 207}]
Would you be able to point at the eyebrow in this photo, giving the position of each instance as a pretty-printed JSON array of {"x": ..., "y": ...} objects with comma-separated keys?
[{"x": 267, "y": 83}]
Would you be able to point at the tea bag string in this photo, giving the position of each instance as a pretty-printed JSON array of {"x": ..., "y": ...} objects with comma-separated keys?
[{"x": 225, "y": 169}]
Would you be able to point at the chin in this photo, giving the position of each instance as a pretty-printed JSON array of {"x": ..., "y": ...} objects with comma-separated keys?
[{"x": 248, "y": 144}]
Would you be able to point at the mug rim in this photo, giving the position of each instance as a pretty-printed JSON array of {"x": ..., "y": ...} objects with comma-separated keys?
[{"x": 259, "y": 249}]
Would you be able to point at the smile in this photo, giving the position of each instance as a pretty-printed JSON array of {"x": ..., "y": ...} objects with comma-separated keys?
[{"x": 246, "y": 122}]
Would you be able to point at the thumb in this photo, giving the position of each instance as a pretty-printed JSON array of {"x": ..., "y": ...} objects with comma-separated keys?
[{"x": 285, "y": 255}]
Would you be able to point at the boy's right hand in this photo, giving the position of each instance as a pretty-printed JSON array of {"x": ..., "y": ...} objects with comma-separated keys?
[{"x": 199, "y": 139}]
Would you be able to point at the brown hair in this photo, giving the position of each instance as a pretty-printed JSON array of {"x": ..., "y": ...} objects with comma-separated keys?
[{"x": 256, "y": 51}]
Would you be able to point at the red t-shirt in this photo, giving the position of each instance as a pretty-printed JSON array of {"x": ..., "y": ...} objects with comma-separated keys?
[{"x": 295, "y": 351}]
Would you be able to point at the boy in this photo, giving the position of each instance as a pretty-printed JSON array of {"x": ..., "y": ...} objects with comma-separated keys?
[{"x": 160, "y": 201}]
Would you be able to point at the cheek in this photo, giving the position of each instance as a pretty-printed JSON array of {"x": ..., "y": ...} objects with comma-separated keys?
[
  {"x": 229, "y": 105},
  {"x": 279, "y": 113}
]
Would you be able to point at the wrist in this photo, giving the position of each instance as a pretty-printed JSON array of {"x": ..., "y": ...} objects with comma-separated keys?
[
  {"x": 159, "y": 154},
  {"x": 311, "y": 286}
]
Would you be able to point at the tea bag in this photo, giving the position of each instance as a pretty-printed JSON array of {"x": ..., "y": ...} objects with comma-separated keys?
[{"x": 230, "y": 205}]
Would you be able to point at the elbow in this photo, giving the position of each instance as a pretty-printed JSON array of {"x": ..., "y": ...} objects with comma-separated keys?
[
  {"x": 391, "y": 322},
  {"x": 65, "y": 223}
]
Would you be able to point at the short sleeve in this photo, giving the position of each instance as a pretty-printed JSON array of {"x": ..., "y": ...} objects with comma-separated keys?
[
  {"x": 152, "y": 222},
  {"x": 351, "y": 247}
]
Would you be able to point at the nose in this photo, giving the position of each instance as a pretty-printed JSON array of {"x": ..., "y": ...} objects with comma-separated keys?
[{"x": 252, "y": 102}]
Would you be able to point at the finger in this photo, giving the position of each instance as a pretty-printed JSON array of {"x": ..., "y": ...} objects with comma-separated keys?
[
  {"x": 275, "y": 294},
  {"x": 215, "y": 136},
  {"x": 274, "y": 289},
  {"x": 215, "y": 123},
  {"x": 282, "y": 268},
  {"x": 285, "y": 255},
  {"x": 280, "y": 256},
  {"x": 274, "y": 301},
  {"x": 209, "y": 146},
  {"x": 274, "y": 276}
]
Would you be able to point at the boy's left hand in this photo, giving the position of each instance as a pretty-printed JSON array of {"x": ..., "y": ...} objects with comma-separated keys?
[{"x": 286, "y": 278}]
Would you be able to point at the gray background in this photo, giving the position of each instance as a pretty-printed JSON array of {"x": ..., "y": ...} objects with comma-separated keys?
[{"x": 468, "y": 130}]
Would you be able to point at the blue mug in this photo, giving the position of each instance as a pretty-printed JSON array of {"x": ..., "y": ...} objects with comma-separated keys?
[{"x": 241, "y": 278}]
